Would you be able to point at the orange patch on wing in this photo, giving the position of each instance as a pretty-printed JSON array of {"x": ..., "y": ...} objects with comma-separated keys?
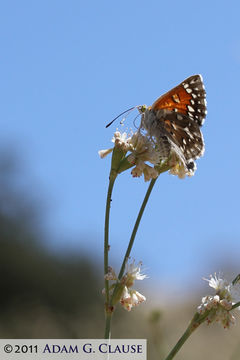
[{"x": 166, "y": 101}]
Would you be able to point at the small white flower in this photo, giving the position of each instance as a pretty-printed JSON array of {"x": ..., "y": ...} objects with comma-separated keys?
[
  {"x": 133, "y": 272},
  {"x": 125, "y": 295},
  {"x": 138, "y": 298},
  {"x": 111, "y": 275},
  {"x": 144, "y": 148},
  {"x": 219, "y": 305},
  {"x": 142, "y": 168},
  {"x": 208, "y": 302},
  {"x": 121, "y": 140},
  {"x": 137, "y": 171},
  {"x": 104, "y": 153},
  {"x": 149, "y": 173},
  {"x": 217, "y": 283},
  {"x": 131, "y": 298}
]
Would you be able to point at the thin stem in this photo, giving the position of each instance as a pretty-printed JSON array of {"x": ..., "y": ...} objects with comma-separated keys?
[
  {"x": 108, "y": 308},
  {"x": 195, "y": 322},
  {"x": 236, "y": 305},
  {"x": 130, "y": 245},
  {"x": 108, "y": 312},
  {"x": 106, "y": 234},
  {"x": 108, "y": 318},
  {"x": 180, "y": 343}
]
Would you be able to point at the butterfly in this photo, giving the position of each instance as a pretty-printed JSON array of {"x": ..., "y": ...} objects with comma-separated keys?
[{"x": 174, "y": 121}]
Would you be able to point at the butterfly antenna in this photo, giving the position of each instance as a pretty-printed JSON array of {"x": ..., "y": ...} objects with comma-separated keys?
[
  {"x": 134, "y": 120},
  {"x": 124, "y": 112}
]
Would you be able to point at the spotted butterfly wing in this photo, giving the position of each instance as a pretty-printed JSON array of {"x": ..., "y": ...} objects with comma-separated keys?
[
  {"x": 187, "y": 98},
  {"x": 175, "y": 118}
]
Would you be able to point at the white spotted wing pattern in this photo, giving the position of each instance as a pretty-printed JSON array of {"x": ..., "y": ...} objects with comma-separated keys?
[{"x": 175, "y": 118}]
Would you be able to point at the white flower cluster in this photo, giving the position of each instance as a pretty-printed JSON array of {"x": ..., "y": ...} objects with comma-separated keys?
[
  {"x": 129, "y": 297},
  {"x": 143, "y": 150},
  {"x": 227, "y": 294},
  {"x": 120, "y": 140}
]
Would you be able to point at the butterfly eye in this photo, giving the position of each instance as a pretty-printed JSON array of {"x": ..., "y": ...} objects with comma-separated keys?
[{"x": 142, "y": 108}]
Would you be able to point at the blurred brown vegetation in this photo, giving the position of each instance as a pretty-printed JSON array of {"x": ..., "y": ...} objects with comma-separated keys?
[{"x": 59, "y": 296}]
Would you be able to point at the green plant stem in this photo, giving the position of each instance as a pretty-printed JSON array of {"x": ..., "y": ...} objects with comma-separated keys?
[
  {"x": 108, "y": 313},
  {"x": 106, "y": 234},
  {"x": 161, "y": 169},
  {"x": 131, "y": 241},
  {"x": 195, "y": 322},
  {"x": 236, "y": 305},
  {"x": 180, "y": 343},
  {"x": 109, "y": 303},
  {"x": 134, "y": 232},
  {"x": 108, "y": 319}
]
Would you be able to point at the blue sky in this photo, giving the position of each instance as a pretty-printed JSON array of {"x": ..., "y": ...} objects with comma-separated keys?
[{"x": 68, "y": 67}]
